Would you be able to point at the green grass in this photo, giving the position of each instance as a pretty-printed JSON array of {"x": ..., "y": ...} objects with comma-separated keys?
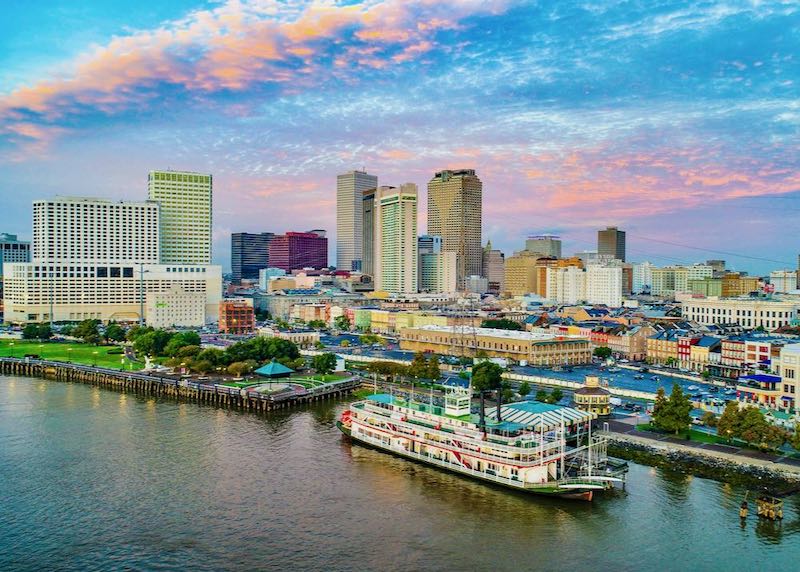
[{"x": 68, "y": 352}]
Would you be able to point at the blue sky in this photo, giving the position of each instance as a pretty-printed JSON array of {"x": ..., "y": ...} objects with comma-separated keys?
[{"x": 677, "y": 121}]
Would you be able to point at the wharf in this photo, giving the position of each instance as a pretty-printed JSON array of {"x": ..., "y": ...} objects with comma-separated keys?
[{"x": 184, "y": 389}]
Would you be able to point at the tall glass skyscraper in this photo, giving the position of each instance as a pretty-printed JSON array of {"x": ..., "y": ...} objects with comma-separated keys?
[
  {"x": 350, "y": 189},
  {"x": 249, "y": 254}
]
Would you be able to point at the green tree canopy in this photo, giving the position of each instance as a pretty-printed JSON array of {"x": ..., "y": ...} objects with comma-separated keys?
[
  {"x": 674, "y": 413},
  {"x": 502, "y": 324},
  {"x": 324, "y": 364},
  {"x": 524, "y": 388},
  {"x": 114, "y": 332},
  {"x": 342, "y": 323},
  {"x": 88, "y": 331},
  {"x": 602, "y": 352}
]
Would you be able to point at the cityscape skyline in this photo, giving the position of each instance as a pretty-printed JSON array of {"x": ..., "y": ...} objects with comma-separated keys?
[{"x": 706, "y": 139}]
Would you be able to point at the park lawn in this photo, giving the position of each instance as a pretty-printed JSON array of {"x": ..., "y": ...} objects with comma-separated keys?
[
  {"x": 67, "y": 352},
  {"x": 698, "y": 436}
]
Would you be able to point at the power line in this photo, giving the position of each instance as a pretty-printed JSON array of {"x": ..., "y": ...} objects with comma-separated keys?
[{"x": 723, "y": 252}]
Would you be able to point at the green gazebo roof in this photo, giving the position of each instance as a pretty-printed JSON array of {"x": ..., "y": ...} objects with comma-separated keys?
[{"x": 274, "y": 369}]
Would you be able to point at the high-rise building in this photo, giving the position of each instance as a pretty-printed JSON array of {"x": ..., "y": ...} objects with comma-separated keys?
[
  {"x": 185, "y": 199},
  {"x": 350, "y": 189},
  {"x": 454, "y": 213},
  {"x": 604, "y": 284},
  {"x": 249, "y": 254},
  {"x": 566, "y": 284},
  {"x": 611, "y": 242},
  {"x": 544, "y": 244},
  {"x": 368, "y": 232},
  {"x": 12, "y": 250},
  {"x": 493, "y": 268},
  {"x": 396, "y": 238},
  {"x": 298, "y": 250},
  {"x": 642, "y": 277},
  {"x": 97, "y": 259},
  {"x": 437, "y": 272},
  {"x": 783, "y": 280}
]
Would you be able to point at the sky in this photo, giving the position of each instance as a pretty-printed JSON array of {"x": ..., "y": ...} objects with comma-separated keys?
[{"x": 676, "y": 121}]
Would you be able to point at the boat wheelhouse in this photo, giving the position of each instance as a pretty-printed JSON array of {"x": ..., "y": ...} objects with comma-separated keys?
[{"x": 530, "y": 446}]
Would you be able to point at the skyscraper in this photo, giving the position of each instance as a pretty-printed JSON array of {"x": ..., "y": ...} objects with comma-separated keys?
[
  {"x": 350, "y": 189},
  {"x": 249, "y": 254},
  {"x": 396, "y": 238},
  {"x": 544, "y": 244},
  {"x": 454, "y": 213},
  {"x": 611, "y": 242},
  {"x": 368, "y": 231},
  {"x": 185, "y": 215},
  {"x": 297, "y": 250},
  {"x": 493, "y": 268}
]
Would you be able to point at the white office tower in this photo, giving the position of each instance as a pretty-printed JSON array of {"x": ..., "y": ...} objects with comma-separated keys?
[
  {"x": 185, "y": 199},
  {"x": 783, "y": 280},
  {"x": 642, "y": 279},
  {"x": 98, "y": 259},
  {"x": 396, "y": 238},
  {"x": 350, "y": 215},
  {"x": 566, "y": 285},
  {"x": 604, "y": 284}
]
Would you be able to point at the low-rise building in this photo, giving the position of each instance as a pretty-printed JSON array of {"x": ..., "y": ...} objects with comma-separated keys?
[
  {"x": 748, "y": 312},
  {"x": 593, "y": 397},
  {"x": 531, "y": 347},
  {"x": 236, "y": 316},
  {"x": 175, "y": 308}
]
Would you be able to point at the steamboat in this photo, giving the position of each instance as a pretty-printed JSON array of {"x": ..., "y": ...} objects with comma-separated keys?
[{"x": 529, "y": 446}]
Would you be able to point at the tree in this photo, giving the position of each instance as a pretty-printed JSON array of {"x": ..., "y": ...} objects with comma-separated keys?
[
  {"x": 671, "y": 362},
  {"x": 501, "y": 324},
  {"x": 524, "y": 388},
  {"x": 317, "y": 324},
  {"x": 728, "y": 424},
  {"x": 343, "y": 343},
  {"x": 137, "y": 331},
  {"x": 114, "y": 332},
  {"x": 660, "y": 406},
  {"x": 419, "y": 366},
  {"x": 709, "y": 419},
  {"x": 370, "y": 339},
  {"x": 487, "y": 376},
  {"x": 674, "y": 413},
  {"x": 240, "y": 368},
  {"x": 541, "y": 395},
  {"x": 795, "y": 438},
  {"x": 189, "y": 351},
  {"x": 202, "y": 366},
  {"x": 324, "y": 364},
  {"x": 87, "y": 330},
  {"x": 342, "y": 323},
  {"x": 602, "y": 352},
  {"x": 181, "y": 340},
  {"x": 37, "y": 332},
  {"x": 433, "y": 371},
  {"x": 557, "y": 395},
  {"x": 706, "y": 375}
]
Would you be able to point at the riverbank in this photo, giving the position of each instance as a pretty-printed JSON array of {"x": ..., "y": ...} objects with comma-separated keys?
[{"x": 755, "y": 470}]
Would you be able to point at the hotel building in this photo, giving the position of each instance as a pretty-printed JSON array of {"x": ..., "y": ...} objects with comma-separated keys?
[
  {"x": 396, "y": 239},
  {"x": 185, "y": 200}
]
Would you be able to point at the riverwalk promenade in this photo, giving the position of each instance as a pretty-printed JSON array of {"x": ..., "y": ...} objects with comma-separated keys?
[
  {"x": 211, "y": 393},
  {"x": 625, "y": 431}
]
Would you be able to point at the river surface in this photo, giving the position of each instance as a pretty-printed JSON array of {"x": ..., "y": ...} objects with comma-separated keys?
[{"x": 92, "y": 479}]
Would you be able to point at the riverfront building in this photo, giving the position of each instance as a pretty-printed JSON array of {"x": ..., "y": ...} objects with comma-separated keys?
[
  {"x": 455, "y": 214},
  {"x": 532, "y": 347},
  {"x": 94, "y": 258},
  {"x": 12, "y": 250},
  {"x": 249, "y": 254},
  {"x": 185, "y": 199},
  {"x": 350, "y": 188}
]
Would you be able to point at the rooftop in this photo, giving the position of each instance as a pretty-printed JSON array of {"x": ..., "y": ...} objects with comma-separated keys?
[{"x": 491, "y": 332}]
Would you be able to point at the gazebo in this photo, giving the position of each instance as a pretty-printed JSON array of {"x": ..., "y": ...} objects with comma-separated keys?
[{"x": 274, "y": 370}]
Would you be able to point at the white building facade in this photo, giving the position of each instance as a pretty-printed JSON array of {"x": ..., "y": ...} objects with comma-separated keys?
[
  {"x": 749, "y": 313},
  {"x": 396, "y": 239}
]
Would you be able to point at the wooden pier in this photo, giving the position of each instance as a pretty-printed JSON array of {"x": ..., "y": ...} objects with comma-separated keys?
[{"x": 182, "y": 389}]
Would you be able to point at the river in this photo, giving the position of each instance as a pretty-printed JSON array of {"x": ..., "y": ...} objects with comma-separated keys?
[{"x": 92, "y": 479}]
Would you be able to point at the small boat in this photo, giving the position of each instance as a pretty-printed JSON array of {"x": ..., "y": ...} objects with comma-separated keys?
[
  {"x": 638, "y": 376},
  {"x": 693, "y": 388}
]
